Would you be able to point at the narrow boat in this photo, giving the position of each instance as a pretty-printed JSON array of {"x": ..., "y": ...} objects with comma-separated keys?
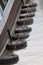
[{"x": 10, "y": 11}]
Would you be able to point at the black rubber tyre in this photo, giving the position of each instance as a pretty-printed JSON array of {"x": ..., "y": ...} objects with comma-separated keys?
[
  {"x": 30, "y": 15},
  {"x": 33, "y": 5},
  {"x": 23, "y": 29},
  {"x": 11, "y": 59},
  {"x": 29, "y": 10},
  {"x": 29, "y": 5},
  {"x": 27, "y": 22},
  {"x": 22, "y": 35},
  {"x": 21, "y": 44},
  {"x": 13, "y": 38},
  {"x": 10, "y": 46}
]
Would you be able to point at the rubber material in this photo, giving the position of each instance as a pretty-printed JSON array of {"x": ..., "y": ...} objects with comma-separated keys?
[
  {"x": 29, "y": 5},
  {"x": 23, "y": 29},
  {"x": 28, "y": 9},
  {"x": 21, "y": 44},
  {"x": 22, "y": 35},
  {"x": 23, "y": 21},
  {"x": 27, "y": 15},
  {"x": 11, "y": 59}
]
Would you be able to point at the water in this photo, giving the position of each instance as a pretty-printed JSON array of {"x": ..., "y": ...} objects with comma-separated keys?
[{"x": 33, "y": 54}]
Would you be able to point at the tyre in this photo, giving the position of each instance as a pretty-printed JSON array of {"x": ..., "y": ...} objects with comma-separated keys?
[
  {"x": 33, "y": 9},
  {"x": 20, "y": 44},
  {"x": 22, "y": 35},
  {"x": 26, "y": 15},
  {"x": 23, "y": 29},
  {"x": 29, "y": 5},
  {"x": 25, "y": 21},
  {"x": 9, "y": 59}
]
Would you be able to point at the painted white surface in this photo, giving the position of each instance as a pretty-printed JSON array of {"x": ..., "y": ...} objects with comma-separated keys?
[{"x": 6, "y": 14}]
